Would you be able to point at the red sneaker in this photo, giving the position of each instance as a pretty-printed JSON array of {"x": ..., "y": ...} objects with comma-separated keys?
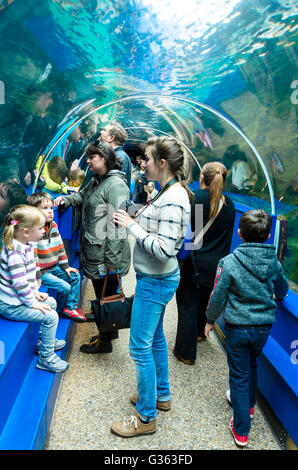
[
  {"x": 240, "y": 441},
  {"x": 73, "y": 315},
  {"x": 251, "y": 410},
  {"x": 80, "y": 310}
]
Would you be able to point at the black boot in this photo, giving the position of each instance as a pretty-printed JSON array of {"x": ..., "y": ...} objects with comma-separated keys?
[
  {"x": 112, "y": 335},
  {"x": 98, "y": 346}
]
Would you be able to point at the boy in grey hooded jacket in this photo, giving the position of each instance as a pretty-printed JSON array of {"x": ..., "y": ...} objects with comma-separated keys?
[{"x": 246, "y": 285}]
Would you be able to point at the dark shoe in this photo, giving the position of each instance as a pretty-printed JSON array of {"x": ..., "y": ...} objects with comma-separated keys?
[
  {"x": 185, "y": 361},
  {"x": 97, "y": 346},
  {"x": 112, "y": 335},
  {"x": 89, "y": 317}
]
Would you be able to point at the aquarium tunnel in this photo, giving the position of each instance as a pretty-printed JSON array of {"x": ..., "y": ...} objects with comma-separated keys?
[{"x": 219, "y": 76}]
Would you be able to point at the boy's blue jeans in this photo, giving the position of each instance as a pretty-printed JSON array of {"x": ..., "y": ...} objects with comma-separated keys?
[
  {"x": 68, "y": 288},
  {"x": 243, "y": 345},
  {"x": 148, "y": 347},
  {"x": 48, "y": 322}
]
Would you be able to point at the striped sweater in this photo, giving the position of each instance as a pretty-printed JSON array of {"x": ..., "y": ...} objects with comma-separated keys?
[
  {"x": 50, "y": 249},
  {"x": 159, "y": 232},
  {"x": 18, "y": 273}
]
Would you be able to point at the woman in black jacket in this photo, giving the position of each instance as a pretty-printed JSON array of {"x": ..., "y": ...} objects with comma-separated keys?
[{"x": 198, "y": 270}]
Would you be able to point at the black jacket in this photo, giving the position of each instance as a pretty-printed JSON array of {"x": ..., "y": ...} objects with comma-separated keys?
[{"x": 216, "y": 242}]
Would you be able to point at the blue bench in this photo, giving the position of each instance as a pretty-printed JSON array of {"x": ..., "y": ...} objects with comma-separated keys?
[{"x": 27, "y": 394}]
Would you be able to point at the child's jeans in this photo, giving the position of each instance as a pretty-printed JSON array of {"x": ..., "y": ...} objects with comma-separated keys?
[
  {"x": 243, "y": 345},
  {"x": 148, "y": 347},
  {"x": 48, "y": 321},
  {"x": 68, "y": 288}
]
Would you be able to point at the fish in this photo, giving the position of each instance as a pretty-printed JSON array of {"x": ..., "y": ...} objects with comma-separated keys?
[
  {"x": 205, "y": 138},
  {"x": 276, "y": 164}
]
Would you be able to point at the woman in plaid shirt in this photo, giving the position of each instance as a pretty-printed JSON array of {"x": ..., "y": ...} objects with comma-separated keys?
[{"x": 159, "y": 229}]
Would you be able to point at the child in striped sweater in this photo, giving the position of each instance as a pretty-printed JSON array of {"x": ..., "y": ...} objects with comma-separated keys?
[
  {"x": 53, "y": 262},
  {"x": 19, "y": 296}
]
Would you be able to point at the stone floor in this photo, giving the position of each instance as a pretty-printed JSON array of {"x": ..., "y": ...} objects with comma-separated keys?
[{"x": 95, "y": 391}]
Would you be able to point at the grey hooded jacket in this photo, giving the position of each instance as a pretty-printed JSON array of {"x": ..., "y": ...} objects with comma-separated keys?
[
  {"x": 101, "y": 241},
  {"x": 244, "y": 286}
]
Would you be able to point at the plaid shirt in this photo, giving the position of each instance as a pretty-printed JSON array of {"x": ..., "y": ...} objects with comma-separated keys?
[{"x": 159, "y": 231}]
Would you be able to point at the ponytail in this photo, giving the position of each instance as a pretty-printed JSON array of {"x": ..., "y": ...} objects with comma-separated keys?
[
  {"x": 170, "y": 150},
  {"x": 214, "y": 176},
  {"x": 9, "y": 232},
  {"x": 181, "y": 179}
]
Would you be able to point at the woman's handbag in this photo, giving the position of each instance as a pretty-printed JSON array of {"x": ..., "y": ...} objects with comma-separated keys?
[{"x": 113, "y": 312}]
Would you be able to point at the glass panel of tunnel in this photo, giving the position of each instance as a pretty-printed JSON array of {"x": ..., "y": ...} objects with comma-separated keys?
[{"x": 228, "y": 70}]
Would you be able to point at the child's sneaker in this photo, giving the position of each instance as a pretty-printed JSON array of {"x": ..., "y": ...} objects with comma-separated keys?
[
  {"x": 80, "y": 310},
  {"x": 240, "y": 441},
  {"x": 52, "y": 363},
  {"x": 251, "y": 410},
  {"x": 59, "y": 344},
  {"x": 73, "y": 315}
]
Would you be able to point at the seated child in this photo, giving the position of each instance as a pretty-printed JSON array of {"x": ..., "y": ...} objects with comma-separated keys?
[
  {"x": 54, "y": 173},
  {"x": 75, "y": 179},
  {"x": 246, "y": 285},
  {"x": 151, "y": 191},
  {"x": 19, "y": 296},
  {"x": 53, "y": 262}
]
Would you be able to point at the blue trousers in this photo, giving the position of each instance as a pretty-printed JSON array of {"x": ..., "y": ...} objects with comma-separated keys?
[
  {"x": 148, "y": 347},
  {"x": 48, "y": 322},
  {"x": 243, "y": 346},
  {"x": 68, "y": 288}
]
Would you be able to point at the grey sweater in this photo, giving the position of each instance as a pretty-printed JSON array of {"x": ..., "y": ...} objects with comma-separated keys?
[
  {"x": 159, "y": 232},
  {"x": 244, "y": 286}
]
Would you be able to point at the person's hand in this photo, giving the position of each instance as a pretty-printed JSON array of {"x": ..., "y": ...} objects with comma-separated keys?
[
  {"x": 208, "y": 328},
  {"x": 27, "y": 178},
  {"x": 71, "y": 270},
  {"x": 41, "y": 296},
  {"x": 122, "y": 219},
  {"x": 43, "y": 307},
  {"x": 59, "y": 201}
]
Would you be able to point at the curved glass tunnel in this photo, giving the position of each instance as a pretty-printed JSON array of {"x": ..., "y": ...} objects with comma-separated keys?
[{"x": 221, "y": 77}]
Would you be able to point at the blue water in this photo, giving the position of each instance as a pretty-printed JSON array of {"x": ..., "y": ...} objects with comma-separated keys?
[{"x": 239, "y": 57}]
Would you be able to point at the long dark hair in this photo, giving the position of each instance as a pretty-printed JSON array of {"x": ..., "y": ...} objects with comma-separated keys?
[
  {"x": 170, "y": 150},
  {"x": 105, "y": 150}
]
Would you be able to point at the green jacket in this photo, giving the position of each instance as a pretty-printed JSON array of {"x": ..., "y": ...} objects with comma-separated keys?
[{"x": 101, "y": 241}]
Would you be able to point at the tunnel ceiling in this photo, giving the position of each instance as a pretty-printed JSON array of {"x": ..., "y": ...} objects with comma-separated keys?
[{"x": 70, "y": 57}]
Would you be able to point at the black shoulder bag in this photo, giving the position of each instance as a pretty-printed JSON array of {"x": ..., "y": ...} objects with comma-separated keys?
[{"x": 113, "y": 312}]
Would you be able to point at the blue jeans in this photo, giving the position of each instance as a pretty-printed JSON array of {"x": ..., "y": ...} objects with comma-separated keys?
[
  {"x": 48, "y": 322},
  {"x": 243, "y": 346},
  {"x": 148, "y": 347},
  {"x": 68, "y": 288}
]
